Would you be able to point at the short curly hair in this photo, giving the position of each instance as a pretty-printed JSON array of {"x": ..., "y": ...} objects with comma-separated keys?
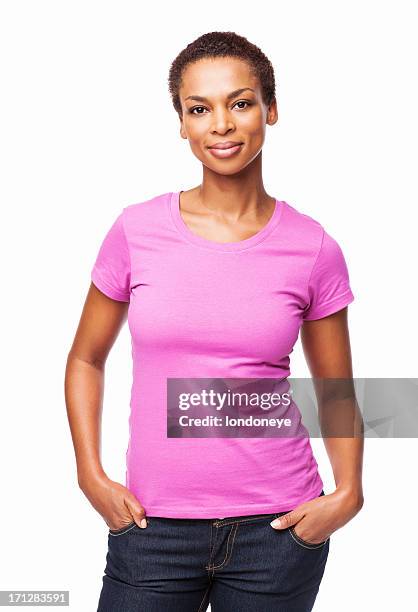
[{"x": 222, "y": 44}]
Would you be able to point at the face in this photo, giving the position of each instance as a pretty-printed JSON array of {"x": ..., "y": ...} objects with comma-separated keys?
[{"x": 215, "y": 111}]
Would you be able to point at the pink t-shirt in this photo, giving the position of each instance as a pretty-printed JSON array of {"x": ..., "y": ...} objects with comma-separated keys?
[{"x": 202, "y": 309}]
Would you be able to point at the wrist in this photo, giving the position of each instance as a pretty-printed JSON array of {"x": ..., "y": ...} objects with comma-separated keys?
[
  {"x": 92, "y": 478},
  {"x": 351, "y": 495}
]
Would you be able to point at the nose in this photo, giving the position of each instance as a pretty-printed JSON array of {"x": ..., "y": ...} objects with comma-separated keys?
[{"x": 221, "y": 122}]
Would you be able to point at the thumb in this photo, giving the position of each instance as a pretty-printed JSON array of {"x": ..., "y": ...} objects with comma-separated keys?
[
  {"x": 287, "y": 520},
  {"x": 137, "y": 511}
]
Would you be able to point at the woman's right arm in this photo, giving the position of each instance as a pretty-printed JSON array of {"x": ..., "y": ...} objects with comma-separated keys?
[{"x": 99, "y": 326}]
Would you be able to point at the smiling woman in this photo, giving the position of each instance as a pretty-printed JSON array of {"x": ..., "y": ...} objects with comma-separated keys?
[
  {"x": 217, "y": 282},
  {"x": 230, "y": 124}
]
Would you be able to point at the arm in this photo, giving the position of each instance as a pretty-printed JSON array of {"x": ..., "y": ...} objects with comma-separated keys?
[
  {"x": 326, "y": 346},
  {"x": 99, "y": 326}
]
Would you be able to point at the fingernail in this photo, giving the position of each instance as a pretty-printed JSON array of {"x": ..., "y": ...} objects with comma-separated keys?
[
  {"x": 275, "y": 523},
  {"x": 143, "y": 523}
]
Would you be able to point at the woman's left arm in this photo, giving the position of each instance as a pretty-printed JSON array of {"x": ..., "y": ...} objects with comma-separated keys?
[{"x": 326, "y": 345}]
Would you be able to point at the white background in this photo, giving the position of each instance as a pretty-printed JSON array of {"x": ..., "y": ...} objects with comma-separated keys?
[{"x": 87, "y": 127}]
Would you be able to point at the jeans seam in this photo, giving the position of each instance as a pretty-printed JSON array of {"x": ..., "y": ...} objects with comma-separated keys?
[
  {"x": 115, "y": 535},
  {"x": 210, "y": 565},
  {"x": 305, "y": 545},
  {"x": 204, "y": 597},
  {"x": 228, "y": 552}
]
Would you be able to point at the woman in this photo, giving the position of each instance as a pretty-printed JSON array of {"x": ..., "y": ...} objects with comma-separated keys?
[{"x": 216, "y": 282}]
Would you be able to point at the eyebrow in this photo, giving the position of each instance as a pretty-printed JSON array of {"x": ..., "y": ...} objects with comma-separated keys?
[{"x": 231, "y": 95}]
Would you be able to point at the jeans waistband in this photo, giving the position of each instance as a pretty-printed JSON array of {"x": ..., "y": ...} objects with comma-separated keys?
[{"x": 250, "y": 518}]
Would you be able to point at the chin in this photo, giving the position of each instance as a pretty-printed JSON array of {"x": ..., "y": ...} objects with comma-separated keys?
[{"x": 222, "y": 170}]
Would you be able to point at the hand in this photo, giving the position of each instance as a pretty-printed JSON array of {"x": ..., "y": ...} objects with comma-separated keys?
[
  {"x": 318, "y": 518},
  {"x": 116, "y": 504}
]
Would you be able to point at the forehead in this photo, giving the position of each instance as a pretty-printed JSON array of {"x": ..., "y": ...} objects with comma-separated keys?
[{"x": 216, "y": 76}]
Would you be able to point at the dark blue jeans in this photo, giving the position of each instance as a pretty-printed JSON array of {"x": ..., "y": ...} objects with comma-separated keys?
[{"x": 237, "y": 564}]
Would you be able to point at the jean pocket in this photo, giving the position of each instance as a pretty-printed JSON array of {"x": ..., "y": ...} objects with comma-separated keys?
[
  {"x": 304, "y": 543},
  {"x": 122, "y": 530},
  {"x": 299, "y": 540}
]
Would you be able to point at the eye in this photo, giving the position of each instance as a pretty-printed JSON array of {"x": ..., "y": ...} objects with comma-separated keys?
[
  {"x": 194, "y": 108},
  {"x": 191, "y": 111},
  {"x": 244, "y": 102}
]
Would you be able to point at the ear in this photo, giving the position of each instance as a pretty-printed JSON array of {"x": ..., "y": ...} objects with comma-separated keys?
[
  {"x": 182, "y": 130},
  {"x": 272, "y": 113}
]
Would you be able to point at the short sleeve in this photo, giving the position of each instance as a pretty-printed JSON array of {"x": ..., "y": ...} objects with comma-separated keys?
[
  {"x": 111, "y": 272},
  {"x": 329, "y": 284}
]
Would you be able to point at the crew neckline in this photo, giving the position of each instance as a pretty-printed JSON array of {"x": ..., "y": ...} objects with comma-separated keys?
[{"x": 240, "y": 245}]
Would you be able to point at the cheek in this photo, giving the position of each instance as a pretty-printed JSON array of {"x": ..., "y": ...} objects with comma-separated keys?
[
  {"x": 195, "y": 130},
  {"x": 197, "y": 137},
  {"x": 198, "y": 149},
  {"x": 256, "y": 129},
  {"x": 252, "y": 127}
]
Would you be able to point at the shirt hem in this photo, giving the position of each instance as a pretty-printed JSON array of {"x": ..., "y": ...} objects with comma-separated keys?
[
  {"x": 105, "y": 288},
  {"x": 331, "y": 307},
  {"x": 227, "y": 512}
]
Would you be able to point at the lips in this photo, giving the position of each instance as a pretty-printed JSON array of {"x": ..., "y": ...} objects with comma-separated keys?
[
  {"x": 225, "y": 145},
  {"x": 225, "y": 152}
]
